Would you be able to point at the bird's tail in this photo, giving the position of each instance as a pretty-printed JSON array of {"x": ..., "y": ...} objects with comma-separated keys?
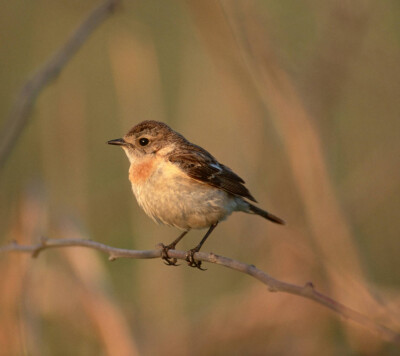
[{"x": 265, "y": 214}]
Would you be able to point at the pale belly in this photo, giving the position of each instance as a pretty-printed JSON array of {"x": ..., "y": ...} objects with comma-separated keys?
[{"x": 172, "y": 198}]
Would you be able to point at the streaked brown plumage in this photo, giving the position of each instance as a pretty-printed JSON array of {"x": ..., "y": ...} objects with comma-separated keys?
[{"x": 181, "y": 184}]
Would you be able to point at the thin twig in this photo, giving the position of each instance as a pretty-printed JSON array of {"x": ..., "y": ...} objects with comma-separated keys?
[
  {"x": 274, "y": 285},
  {"x": 19, "y": 115}
]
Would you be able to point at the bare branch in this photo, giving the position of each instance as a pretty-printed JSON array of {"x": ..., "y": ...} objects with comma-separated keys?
[
  {"x": 274, "y": 285},
  {"x": 19, "y": 115}
]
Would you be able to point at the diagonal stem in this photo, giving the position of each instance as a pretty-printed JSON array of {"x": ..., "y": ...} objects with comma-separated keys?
[{"x": 19, "y": 115}]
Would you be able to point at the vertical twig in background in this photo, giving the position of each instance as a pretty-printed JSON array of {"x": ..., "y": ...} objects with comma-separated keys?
[
  {"x": 19, "y": 115},
  {"x": 254, "y": 65},
  {"x": 97, "y": 298}
]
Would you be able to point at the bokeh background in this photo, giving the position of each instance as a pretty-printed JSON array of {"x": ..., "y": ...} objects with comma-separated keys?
[{"x": 300, "y": 98}]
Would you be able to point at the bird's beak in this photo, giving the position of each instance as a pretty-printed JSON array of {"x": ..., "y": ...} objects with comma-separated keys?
[{"x": 117, "y": 141}]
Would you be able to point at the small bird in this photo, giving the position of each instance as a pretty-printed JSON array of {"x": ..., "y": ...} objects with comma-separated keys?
[{"x": 180, "y": 184}]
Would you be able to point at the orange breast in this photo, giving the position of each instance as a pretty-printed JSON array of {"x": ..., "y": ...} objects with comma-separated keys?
[{"x": 140, "y": 172}]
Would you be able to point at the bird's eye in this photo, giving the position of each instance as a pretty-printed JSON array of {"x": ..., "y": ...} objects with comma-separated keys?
[{"x": 144, "y": 141}]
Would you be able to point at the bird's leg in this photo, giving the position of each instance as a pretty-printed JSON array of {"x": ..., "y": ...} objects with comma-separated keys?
[
  {"x": 190, "y": 254},
  {"x": 164, "y": 254}
]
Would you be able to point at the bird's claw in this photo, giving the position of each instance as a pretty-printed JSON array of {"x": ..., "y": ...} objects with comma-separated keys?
[
  {"x": 164, "y": 255},
  {"x": 192, "y": 262}
]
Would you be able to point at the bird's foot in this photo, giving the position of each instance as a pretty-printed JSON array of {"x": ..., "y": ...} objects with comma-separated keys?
[
  {"x": 164, "y": 255},
  {"x": 191, "y": 261}
]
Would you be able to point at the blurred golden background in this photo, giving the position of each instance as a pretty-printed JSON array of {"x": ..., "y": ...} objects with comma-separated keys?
[{"x": 301, "y": 99}]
